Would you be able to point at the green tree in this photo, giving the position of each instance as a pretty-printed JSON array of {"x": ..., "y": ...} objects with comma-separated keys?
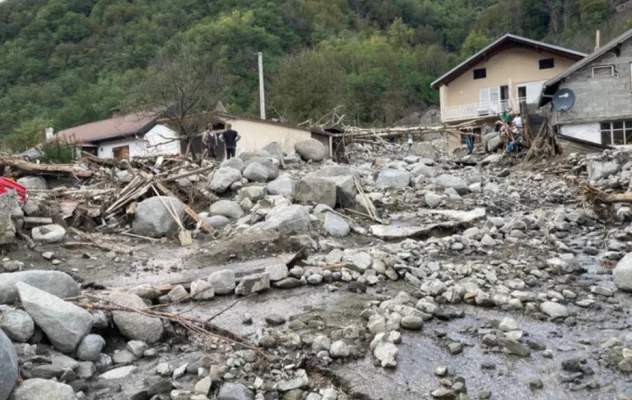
[
  {"x": 28, "y": 135},
  {"x": 474, "y": 42}
]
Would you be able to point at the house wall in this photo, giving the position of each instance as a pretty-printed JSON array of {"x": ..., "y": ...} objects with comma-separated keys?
[
  {"x": 159, "y": 140},
  {"x": 518, "y": 65},
  {"x": 588, "y": 132},
  {"x": 599, "y": 99},
  {"x": 255, "y": 135}
]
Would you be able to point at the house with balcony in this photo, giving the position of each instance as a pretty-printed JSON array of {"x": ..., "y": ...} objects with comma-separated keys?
[{"x": 504, "y": 75}]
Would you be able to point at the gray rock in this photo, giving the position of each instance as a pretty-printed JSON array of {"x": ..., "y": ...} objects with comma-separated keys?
[
  {"x": 227, "y": 208},
  {"x": 90, "y": 347},
  {"x": 277, "y": 272},
  {"x": 339, "y": 349},
  {"x": 118, "y": 373},
  {"x": 8, "y": 202},
  {"x": 412, "y": 323},
  {"x": 133, "y": 325},
  {"x": 253, "y": 284},
  {"x": 48, "y": 233},
  {"x": 274, "y": 149},
  {"x": 514, "y": 347},
  {"x": 491, "y": 188},
  {"x": 235, "y": 163},
  {"x": 494, "y": 144},
  {"x": 33, "y": 182},
  {"x": 282, "y": 186},
  {"x": 235, "y": 391},
  {"x": 218, "y": 221},
  {"x": 621, "y": 275},
  {"x": 64, "y": 323},
  {"x": 554, "y": 310},
  {"x": 223, "y": 282},
  {"x": 202, "y": 290},
  {"x": 454, "y": 182},
  {"x": 8, "y": 367},
  {"x": 152, "y": 219},
  {"x": 285, "y": 220},
  {"x": 336, "y": 226},
  {"x": 268, "y": 163},
  {"x": 223, "y": 178},
  {"x": 343, "y": 177},
  {"x": 311, "y": 150},
  {"x": 601, "y": 170},
  {"x": 85, "y": 370},
  {"x": 424, "y": 149},
  {"x": 136, "y": 347},
  {"x": 123, "y": 357},
  {"x": 18, "y": 325},
  {"x": 39, "y": 389},
  {"x": 393, "y": 178},
  {"x": 386, "y": 353},
  {"x": 432, "y": 199},
  {"x": 287, "y": 283},
  {"x": 177, "y": 293},
  {"x": 256, "y": 172},
  {"x": 252, "y": 193},
  {"x": 316, "y": 190},
  {"x": 424, "y": 170}
]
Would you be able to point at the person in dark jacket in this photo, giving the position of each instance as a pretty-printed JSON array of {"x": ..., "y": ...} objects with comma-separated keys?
[
  {"x": 209, "y": 140},
  {"x": 230, "y": 138}
]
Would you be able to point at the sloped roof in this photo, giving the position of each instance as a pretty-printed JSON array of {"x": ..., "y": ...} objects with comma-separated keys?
[
  {"x": 554, "y": 82},
  {"x": 502, "y": 43},
  {"x": 131, "y": 124}
]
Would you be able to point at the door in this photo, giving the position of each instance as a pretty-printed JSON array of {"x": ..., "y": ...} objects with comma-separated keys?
[
  {"x": 504, "y": 98},
  {"x": 490, "y": 100},
  {"x": 121, "y": 153}
]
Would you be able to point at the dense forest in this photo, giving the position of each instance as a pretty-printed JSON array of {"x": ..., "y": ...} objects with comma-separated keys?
[{"x": 68, "y": 62}]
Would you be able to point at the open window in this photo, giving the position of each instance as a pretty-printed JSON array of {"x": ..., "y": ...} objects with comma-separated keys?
[
  {"x": 603, "y": 71},
  {"x": 480, "y": 73},
  {"x": 547, "y": 63}
]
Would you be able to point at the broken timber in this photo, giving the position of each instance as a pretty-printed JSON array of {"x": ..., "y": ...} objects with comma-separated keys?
[{"x": 47, "y": 169}]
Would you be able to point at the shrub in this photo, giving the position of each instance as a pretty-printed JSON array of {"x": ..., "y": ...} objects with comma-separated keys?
[{"x": 59, "y": 150}]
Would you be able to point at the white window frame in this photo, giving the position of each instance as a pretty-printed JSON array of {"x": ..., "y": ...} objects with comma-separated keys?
[
  {"x": 626, "y": 125},
  {"x": 598, "y": 67}
]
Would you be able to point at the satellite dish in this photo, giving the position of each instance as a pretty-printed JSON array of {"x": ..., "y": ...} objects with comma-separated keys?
[{"x": 563, "y": 100}]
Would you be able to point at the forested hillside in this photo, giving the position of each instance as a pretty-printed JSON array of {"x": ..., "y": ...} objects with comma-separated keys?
[{"x": 67, "y": 62}]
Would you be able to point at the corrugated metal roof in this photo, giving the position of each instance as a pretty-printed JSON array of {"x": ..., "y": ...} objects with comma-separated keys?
[{"x": 111, "y": 128}]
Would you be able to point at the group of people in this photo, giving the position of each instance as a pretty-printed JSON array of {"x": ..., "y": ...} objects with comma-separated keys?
[
  {"x": 511, "y": 131},
  {"x": 211, "y": 139}
]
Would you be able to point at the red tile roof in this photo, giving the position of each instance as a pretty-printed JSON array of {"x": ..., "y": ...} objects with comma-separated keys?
[{"x": 111, "y": 128}]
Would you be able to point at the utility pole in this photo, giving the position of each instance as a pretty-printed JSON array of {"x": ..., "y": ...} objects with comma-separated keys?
[{"x": 262, "y": 96}]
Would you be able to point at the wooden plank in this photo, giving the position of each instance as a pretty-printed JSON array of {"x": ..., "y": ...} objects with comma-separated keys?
[
  {"x": 38, "y": 220},
  {"x": 203, "y": 224}
]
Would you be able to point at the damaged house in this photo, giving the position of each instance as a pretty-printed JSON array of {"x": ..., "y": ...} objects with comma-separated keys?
[
  {"x": 505, "y": 74},
  {"x": 599, "y": 96}
]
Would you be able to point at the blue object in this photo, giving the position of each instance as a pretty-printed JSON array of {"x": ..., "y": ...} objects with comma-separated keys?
[
  {"x": 511, "y": 146},
  {"x": 470, "y": 143}
]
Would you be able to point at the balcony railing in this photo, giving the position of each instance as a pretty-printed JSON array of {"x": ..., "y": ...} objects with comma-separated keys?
[{"x": 477, "y": 110}]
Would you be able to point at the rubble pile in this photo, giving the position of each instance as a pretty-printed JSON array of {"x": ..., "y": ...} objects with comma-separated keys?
[{"x": 467, "y": 259}]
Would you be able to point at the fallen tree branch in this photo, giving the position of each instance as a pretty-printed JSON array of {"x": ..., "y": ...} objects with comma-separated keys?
[{"x": 47, "y": 169}]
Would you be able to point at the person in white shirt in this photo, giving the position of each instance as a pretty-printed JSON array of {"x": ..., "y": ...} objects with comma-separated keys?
[{"x": 517, "y": 121}]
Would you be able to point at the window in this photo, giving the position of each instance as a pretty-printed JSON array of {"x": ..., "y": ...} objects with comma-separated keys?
[
  {"x": 547, "y": 63},
  {"x": 616, "y": 133},
  {"x": 603, "y": 71},
  {"x": 480, "y": 73}
]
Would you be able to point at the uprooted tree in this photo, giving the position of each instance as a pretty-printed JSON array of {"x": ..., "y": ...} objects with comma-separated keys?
[{"x": 179, "y": 88}]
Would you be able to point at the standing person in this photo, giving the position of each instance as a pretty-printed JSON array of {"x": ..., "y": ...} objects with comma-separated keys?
[
  {"x": 410, "y": 140},
  {"x": 209, "y": 140},
  {"x": 230, "y": 138}
]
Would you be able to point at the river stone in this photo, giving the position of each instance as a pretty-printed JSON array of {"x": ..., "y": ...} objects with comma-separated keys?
[
  {"x": 227, "y": 208},
  {"x": 423, "y": 149},
  {"x": 223, "y": 178},
  {"x": 454, "y": 182},
  {"x": 393, "y": 178},
  {"x": 152, "y": 219},
  {"x": 554, "y": 310},
  {"x": 253, "y": 284},
  {"x": 601, "y": 170},
  {"x": 423, "y": 170},
  {"x": 311, "y": 150},
  {"x": 316, "y": 190},
  {"x": 33, "y": 182},
  {"x": 274, "y": 149},
  {"x": 412, "y": 323},
  {"x": 133, "y": 325},
  {"x": 268, "y": 163},
  {"x": 18, "y": 325},
  {"x": 252, "y": 193},
  {"x": 336, "y": 226},
  {"x": 282, "y": 186},
  {"x": 277, "y": 272},
  {"x": 218, "y": 221},
  {"x": 202, "y": 290},
  {"x": 90, "y": 348},
  {"x": 64, "y": 323},
  {"x": 40, "y": 389},
  {"x": 256, "y": 172},
  {"x": 8, "y": 202},
  {"x": 235, "y": 391},
  {"x": 386, "y": 353},
  {"x": 285, "y": 220},
  {"x": 622, "y": 274},
  {"x": 339, "y": 349},
  {"x": 8, "y": 366},
  {"x": 235, "y": 163},
  {"x": 343, "y": 177},
  {"x": 48, "y": 233},
  {"x": 223, "y": 282},
  {"x": 432, "y": 199}
]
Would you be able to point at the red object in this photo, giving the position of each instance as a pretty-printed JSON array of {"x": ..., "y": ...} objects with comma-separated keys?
[{"x": 8, "y": 184}]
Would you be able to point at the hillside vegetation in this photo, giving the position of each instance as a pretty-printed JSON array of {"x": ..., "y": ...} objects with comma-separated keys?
[{"x": 68, "y": 62}]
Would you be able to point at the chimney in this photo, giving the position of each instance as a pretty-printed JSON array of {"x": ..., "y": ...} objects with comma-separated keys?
[
  {"x": 597, "y": 40},
  {"x": 49, "y": 131}
]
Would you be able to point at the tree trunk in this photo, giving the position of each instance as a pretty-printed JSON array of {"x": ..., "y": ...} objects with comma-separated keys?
[{"x": 45, "y": 169}]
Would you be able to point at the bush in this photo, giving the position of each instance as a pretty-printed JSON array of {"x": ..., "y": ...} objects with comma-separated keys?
[{"x": 59, "y": 151}]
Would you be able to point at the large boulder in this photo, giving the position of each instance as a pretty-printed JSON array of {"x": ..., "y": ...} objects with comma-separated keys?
[
  {"x": 601, "y": 170},
  {"x": 289, "y": 219},
  {"x": 424, "y": 149},
  {"x": 152, "y": 219},
  {"x": 393, "y": 178},
  {"x": 223, "y": 178},
  {"x": 8, "y": 202},
  {"x": 40, "y": 389},
  {"x": 311, "y": 150},
  {"x": 235, "y": 162},
  {"x": 316, "y": 190},
  {"x": 48, "y": 233},
  {"x": 343, "y": 177},
  {"x": 223, "y": 282},
  {"x": 33, "y": 182},
  {"x": 246, "y": 156},
  {"x": 133, "y": 325},
  {"x": 494, "y": 144},
  {"x": 283, "y": 186},
  {"x": 622, "y": 273},
  {"x": 8, "y": 367},
  {"x": 256, "y": 172},
  {"x": 18, "y": 325},
  {"x": 454, "y": 182},
  {"x": 64, "y": 323},
  {"x": 235, "y": 391},
  {"x": 227, "y": 208},
  {"x": 268, "y": 163},
  {"x": 274, "y": 149},
  {"x": 336, "y": 226},
  {"x": 56, "y": 283}
]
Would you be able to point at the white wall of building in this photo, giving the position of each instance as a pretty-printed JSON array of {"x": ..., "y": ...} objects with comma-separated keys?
[
  {"x": 159, "y": 140},
  {"x": 255, "y": 135},
  {"x": 587, "y": 132}
]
